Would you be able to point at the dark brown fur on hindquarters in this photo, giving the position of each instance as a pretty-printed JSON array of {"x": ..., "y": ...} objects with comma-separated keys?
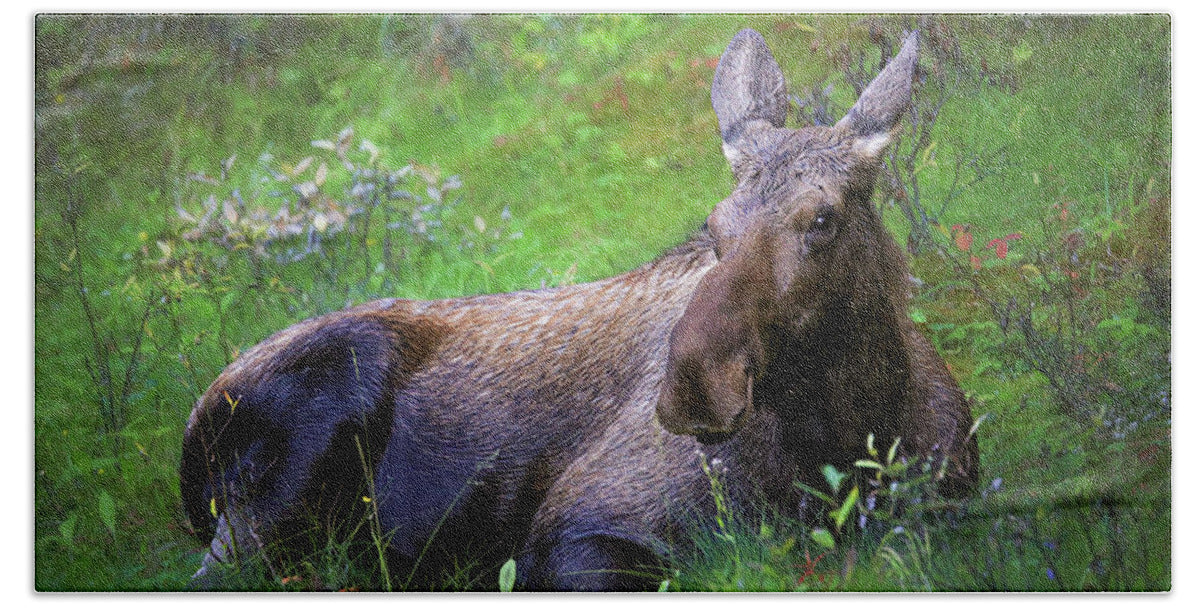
[{"x": 563, "y": 425}]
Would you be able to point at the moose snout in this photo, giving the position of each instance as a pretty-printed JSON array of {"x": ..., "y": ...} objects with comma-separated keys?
[
  {"x": 709, "y": 400},
  {"x": 710, "y": 436}
]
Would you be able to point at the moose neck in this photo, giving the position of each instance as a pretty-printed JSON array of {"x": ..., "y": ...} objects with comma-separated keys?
[{"x": 846, "y": 372}]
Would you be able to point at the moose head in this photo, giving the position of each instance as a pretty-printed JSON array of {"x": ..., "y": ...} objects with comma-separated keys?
[{"x": 798, "y": 241}]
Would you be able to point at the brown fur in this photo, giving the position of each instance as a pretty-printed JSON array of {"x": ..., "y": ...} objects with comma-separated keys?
[{"x": 556, "y": 424}]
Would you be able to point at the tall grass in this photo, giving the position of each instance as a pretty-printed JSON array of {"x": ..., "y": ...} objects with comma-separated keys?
[{"x": 881, "y": 527}]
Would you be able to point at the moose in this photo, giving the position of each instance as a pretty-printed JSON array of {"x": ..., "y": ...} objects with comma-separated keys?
[{"x": 561, "y": 426}]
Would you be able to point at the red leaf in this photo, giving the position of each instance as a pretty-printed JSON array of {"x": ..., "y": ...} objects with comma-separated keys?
[
  {"x": 963, "y": 240},
  {"x": 1002, "y": 249},
  {"x": 1001, "y": 244}
]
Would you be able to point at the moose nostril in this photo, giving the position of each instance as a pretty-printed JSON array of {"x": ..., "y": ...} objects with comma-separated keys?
[
  {"x": 713, "y": 437},
  {"x": 708, "y": 435},
  {"x": 739, "y": 419}
]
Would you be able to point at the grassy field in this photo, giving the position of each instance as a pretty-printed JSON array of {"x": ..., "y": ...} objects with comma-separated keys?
[{"x": 1032, "y": 189}]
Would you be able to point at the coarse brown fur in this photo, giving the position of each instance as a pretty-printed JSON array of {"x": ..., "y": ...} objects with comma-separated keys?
[{"x": 558, "y": 424}]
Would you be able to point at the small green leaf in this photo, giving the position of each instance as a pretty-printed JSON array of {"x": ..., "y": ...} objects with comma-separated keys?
[
  {"x": 227, "y": 301},
  {"x": 508, "y": 575},
  {"x": 784, "y": 548},
  {"x": 1022, "y": 52},
  {"x": 868, "y": 464},
  {"x": 67, "y": 530},
  {"x": 662, "y": 587},
  {"x": 891, "y": 457},
  {"x": 918, "y": 316},
  {"x": 108, "y": 512},
  {"x": 822, "y": 537},
  {"x": 833, "y": 476},
  {"x": 815, "y": 492},
  {"x": 843, "y": 513}
]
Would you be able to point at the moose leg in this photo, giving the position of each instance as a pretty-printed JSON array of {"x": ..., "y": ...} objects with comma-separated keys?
[
  {"x": 596, "y": 562},
  {"x": 947, "y": 412},
  {"x": 234, "y": 540},
  {"x": 604, "y": 523}
]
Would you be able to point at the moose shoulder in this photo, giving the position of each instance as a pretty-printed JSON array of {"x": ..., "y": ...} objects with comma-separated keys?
[{"x": 561, "y": 425}]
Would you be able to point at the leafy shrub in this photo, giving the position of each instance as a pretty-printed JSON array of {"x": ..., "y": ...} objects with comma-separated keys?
[
  {"x": 872, "y": 527},
  {"x": 1065, "y": 305},
  {"x": 341, "y": 218}
]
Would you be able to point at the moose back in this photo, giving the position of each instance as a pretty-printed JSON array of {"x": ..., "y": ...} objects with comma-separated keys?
[{"x": 562, "y": 425}]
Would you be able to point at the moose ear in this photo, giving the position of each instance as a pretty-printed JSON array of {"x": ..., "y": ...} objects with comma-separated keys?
[
  {"x": 748, "y": 86},
  {"x": 884, "y": 101}
]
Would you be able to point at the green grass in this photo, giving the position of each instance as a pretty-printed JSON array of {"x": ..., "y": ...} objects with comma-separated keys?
[{"x": 594, "y": 132}]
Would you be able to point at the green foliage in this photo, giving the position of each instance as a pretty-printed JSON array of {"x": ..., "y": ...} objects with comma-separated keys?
[
  {"x": 508, "y": 575},
  {"x": 197, "y": 189},
  {"x": 902, "y": 537}
]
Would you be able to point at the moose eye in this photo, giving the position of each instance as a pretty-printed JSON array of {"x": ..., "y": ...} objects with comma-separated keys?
[{"x": 822, "y": 230}]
